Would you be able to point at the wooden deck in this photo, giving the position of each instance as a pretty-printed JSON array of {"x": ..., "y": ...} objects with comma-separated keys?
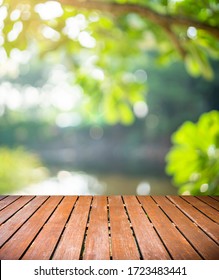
[{"x": 114, "y": 227}]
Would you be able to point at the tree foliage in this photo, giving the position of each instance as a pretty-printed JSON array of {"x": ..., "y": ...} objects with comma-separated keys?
[
  {"x": 194, "y": 159},
  {"x": 99, "y": 41},
  {"x": 19, "y": 168}
]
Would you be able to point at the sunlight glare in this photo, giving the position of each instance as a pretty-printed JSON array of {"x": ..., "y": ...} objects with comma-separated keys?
[
  {"x": 204, "y": 188},
  {"x": 15, "y": 15},
  {"x": 186, "y": 193},
  {"x": 98, "y": 74},
  {"x": 2, "y": 40},
  {"x": 74, "y": 25},
  {"x": 14, "y": 99},
  {"x": 86, "y": 40},
  {"x": 31, "y": 97},
  {"x": 50, "y": 33},
  {"x": 68, "y": 119},
  {"x": 3, "y": 13},
  {"x": 62, "y": 100},
  {"x": 141, "y": 76},
  {"x": 49, "y": 10},
  {"x": 192, "y": 32},
  {"x": 16, "y": 30},
  {"x": 140, "y": 109},
  {"x": 20, "y": 56},
  {"x": 143, "y": 188}
]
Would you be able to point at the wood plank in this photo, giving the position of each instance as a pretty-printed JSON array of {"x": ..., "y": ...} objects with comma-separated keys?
[
  {"x": 15, "y": 222},
  {"x": 149, "y": 242},
  {"x": 2, "y": 197},
  {"x": 210, "y": 201},
  {"x": 16, "y": 246},
  {"x": 215, "y": 197},
  {"x": 7, "y": 201},
  {"x": 46, "y": 240},
  {"x": 203, "y": 244},
  {"x": 70, "y": 245},
  {"x": 206, "y": 209},
  {"x": 97, "y": 240},
  {"x": 210, "y": 227},
  {"x": 178, "y": 246},
  {"x": 123, "y": 243},
  {"x": 11, "y": 209}
]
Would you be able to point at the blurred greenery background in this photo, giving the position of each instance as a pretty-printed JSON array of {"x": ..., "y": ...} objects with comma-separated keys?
[{"x": 109, "y": 97}]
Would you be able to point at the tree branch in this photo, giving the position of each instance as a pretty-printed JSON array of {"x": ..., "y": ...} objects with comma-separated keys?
[{"x": 159, "y": 19}]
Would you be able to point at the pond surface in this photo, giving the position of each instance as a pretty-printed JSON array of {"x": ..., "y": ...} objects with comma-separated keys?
[{"x": 79, "y": 183}]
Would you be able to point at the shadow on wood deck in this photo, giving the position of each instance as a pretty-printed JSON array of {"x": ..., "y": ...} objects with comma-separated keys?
[{"x": 114, "y": 227}]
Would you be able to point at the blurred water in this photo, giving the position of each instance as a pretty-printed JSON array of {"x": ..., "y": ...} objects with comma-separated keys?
[{"x": 78, "y": 183}]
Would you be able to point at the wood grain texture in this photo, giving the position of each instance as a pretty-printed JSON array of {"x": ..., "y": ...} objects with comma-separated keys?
[
  {"x": 20, "y": 241},
  {"x": 203, "y": 207},
  {"x": 70, "y": 245},
  {"x": 97, "y": 240},
  {"x": 114, "y": 227},
  {"x": 149, "y": 242},
  {"x": 19, "y": 218},
  {"x": 209, "y": 226},
  {"x": 7, "y": 200},
  {"x": 178, "y": 246},
  {"x": 9, "y": 211},
  {"x": 210, "y": 201},
  {"x": 46, "y": 240},
  {"x": 200, "y": 241},
  {"x": 123, "y": 243}
]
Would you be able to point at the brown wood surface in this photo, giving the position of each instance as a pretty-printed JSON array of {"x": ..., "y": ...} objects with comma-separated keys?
[
  {"x": 209, "y": 226},
  {"x": 7, "y": 200},
  {"x": 210, "y": 201},
  {"x": 203, "y": 207},
  {"x": 114, "y": 227},
  {"x": 19, "y": 218},
  {"x": 13, "y": 207},
  {"x": 150, "y": 244},
  {"x": 45, "y": 242},
  {"x": 71, "y": 243},
  {"x": 20, "y": 241},
  {"x": 123, "y": 242},
  {"x": 200, "y": 241},
  {"x": 97, "y": 240},
  {"x": 178, "y": 246}
]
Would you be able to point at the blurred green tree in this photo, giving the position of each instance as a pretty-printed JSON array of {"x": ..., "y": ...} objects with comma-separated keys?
[
  {"x": 99, "y": 40},
  {"x": 19, "y": 168},
  {"x": 194, "y": 159},
  {"x": 105, "y": 44}
]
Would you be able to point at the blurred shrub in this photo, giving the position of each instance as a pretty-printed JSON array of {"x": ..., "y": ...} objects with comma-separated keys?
[
  {"x": 193, "y": 161},
  {"x": 18, "y": 169}
]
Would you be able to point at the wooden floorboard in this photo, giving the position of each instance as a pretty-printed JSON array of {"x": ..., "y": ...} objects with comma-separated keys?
[
  {"x": 71, "y": 246},
  {"x": 150, "y": 244},
  {"x": 123, "y": 242},
  {"x": 109, "y": 228},
  {"x": 207, "y": 225},
  {"x": 97, "y": 245},
  {"x": 210, "y": 201},
  {"x": 7, "y": 201},
  {"x": 199, "y": 240},
  {"x": 177, "y": 244},
  {"x": 203, "y": 207}
]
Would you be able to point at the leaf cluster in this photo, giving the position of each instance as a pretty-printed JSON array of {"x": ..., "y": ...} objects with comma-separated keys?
[
  {"x": 104, "y": 45},
  {"x": 193, "y": 161}
]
